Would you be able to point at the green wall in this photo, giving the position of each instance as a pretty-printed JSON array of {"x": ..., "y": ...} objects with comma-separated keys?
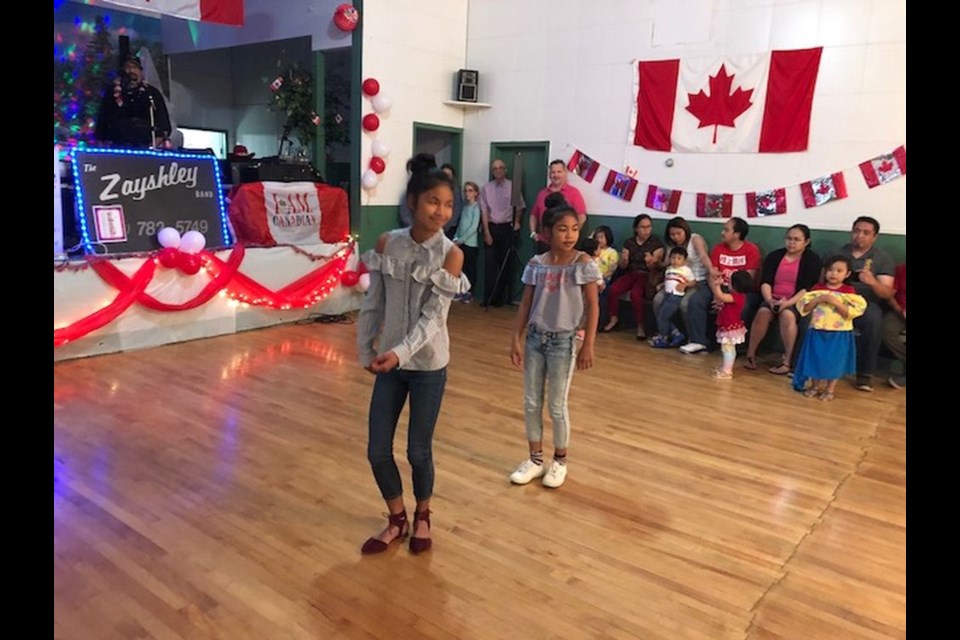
[
  {"x": 767, "y": 238},
  {"x": 374, "y": 220}
]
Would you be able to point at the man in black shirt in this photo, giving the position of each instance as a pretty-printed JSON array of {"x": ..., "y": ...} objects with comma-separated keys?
[{"x": 132, "y": 113}]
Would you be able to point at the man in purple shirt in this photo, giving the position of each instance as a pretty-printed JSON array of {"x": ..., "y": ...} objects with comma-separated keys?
[{"x": 500, "y": 217}]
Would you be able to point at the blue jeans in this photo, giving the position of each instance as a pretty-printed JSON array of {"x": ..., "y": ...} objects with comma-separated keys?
[
  {"x": 668, "y": 309},
  {"x": 549, "y": 362},
  {"x": 390, "y": 391},
  {"x": 694, "y": 308},
  {"x": 869, "y": 332}
]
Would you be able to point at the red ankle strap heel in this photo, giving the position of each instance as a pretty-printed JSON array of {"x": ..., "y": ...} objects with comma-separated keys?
[
  {"x": 419, "y": 545},
  {"x": 398, "y": 520}
]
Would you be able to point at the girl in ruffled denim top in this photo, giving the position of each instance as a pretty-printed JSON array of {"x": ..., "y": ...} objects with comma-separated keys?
[
  {"x": 414, "y": 275},
  {"x": 561, "y": 288}
]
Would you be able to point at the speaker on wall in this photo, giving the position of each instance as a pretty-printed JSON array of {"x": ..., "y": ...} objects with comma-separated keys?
[{"x": 468, "y": 83}]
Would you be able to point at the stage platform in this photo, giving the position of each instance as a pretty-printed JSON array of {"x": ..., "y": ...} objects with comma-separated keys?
[{"x": 79, "y": 291}]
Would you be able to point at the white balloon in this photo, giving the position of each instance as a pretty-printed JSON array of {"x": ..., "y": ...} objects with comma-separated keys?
[
  {"x": 369, "y": 179},
  {"x": 381, "y": 103},
  {"x": 192, "y": 242},
  {"x": 380, "y": 148},
  {"x": 364, "y": 283},
  {"x": 169, "y": 237}
]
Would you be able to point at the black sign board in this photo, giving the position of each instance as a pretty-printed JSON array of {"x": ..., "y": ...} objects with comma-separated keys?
[{"x": 124, "y": 197}]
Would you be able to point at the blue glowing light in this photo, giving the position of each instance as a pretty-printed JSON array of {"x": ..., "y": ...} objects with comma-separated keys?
[{"x": 80, "y": 196}]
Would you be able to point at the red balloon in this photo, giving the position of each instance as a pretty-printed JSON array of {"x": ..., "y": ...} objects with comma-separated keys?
[
  {"x": 346, "y": 17},
  {"x": 370, "y": 87},
  {"x": 377, "y": 164},
  {"x": 349, "y": 278},
  {"x": 190, "y": 263},
  {"x": 169, "y": 257},
  {"x": 371, "y": 122}
]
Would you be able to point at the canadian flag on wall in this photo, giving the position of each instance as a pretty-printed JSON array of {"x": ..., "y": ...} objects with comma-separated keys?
[
  {"x": 758, "y": 103},
  {"x": 220, "y": 11}
]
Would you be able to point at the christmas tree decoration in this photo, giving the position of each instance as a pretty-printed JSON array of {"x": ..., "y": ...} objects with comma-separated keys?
[
  {"x": 824, "y": 189},
  {"x": 620, "y": 185},
  {"x": 883, "y": 169},
  {"x": 660, "y": 199},
  {"x": 293, "y": 96},
  {"x": 766, "y": 203},
  {"x": 583, "y": 165},
  {"x": 346, "y": 17},
  {"x": 714, "y": 205}
]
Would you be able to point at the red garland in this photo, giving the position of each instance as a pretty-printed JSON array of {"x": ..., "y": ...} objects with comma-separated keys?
[
  {"x": 116, "y": 278},
  {"x": 302, "y": 293},
  {"x": 112, "y": 311}
]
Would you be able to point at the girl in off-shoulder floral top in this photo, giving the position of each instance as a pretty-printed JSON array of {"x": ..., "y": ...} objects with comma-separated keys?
[
  {"x": 414, "y": 275},
  {"x": 829, "y": 348}
]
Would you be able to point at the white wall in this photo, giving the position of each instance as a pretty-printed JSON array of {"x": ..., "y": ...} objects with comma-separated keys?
[
  {"x": 413, "y": 48},
  {"x": 264, "y": 20},
  {"x": 560, "y": 70}
]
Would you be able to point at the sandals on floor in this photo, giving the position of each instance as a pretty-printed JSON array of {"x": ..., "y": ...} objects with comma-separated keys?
[
  {"x": 826, "y": 396},
  {"x": 750, "y": 364},
  {"x": 781, "y": 369},
  {"x": 812, "y": 392}
]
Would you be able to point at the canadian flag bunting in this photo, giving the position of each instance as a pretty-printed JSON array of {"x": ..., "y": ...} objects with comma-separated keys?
[
  {"x": 883, "y": 169},
  {"x": 714, "y": 205},
  {"x": 823, "y": 190},
  {"x": 814, "y": 193},
  {"x": 659, "y": 199},
  {"x": 760, "y": 103},
  {"x": 220, "y": 11},
  {"x": 772, "y": 202},
  {"x": 620, "y": 185},
  {"x": 583, "y": 165}
]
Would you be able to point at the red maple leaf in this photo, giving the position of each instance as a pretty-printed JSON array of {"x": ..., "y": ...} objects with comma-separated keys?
[
  {"x": 721, "y": 107},
  {"x": 885, "y": 167}
]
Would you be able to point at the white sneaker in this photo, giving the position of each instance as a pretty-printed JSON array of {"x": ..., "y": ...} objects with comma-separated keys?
[
  {"x": 555, "y": 476},
  {"x": 527, "y": 471},
  {"x": 693, "y": 347}
]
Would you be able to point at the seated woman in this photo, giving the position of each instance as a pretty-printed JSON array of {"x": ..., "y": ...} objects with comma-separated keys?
[
  {"x": 640, "y": 259},
  {"x": 787, "y": 274},
  {"x": 679, "y": 234}
]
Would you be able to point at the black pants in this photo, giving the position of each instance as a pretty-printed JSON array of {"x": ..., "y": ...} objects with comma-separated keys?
[
  {"x": 470, "y": 255},
  {"x": 494, "y": 255}
]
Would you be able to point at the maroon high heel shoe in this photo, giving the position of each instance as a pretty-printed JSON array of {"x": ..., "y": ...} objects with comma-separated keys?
[
  {"x": 419, "y": 545},
  {"x": 398, "y": 520}
]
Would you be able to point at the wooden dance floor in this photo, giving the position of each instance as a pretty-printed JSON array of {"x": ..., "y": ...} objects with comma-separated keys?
[{"x": 220, "y": 489}]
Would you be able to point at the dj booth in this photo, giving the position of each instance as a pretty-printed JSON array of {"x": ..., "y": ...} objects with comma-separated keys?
[{"x": 287, "y": 241}]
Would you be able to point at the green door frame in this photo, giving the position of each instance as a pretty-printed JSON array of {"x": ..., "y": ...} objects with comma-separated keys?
[
  {"x": 513, "y": 143},
  {"x": 457, "y": 141}
]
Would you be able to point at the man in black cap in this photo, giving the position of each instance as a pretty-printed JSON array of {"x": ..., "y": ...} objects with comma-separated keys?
[{"x": 132, "y": 113}]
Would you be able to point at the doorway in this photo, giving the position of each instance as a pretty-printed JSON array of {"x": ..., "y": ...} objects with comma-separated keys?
[
  {"x": 445, "y": 143},
  {"x": 531, "y": 157}
]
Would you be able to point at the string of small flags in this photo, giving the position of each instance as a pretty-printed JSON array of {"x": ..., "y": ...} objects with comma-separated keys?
[{"x": 817, "y": 192}]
